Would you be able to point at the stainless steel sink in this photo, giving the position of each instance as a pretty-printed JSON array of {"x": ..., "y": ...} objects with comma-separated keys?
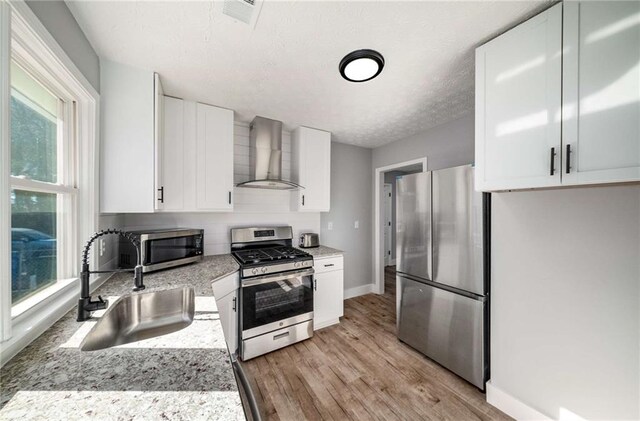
[{"x": 135, "y": 317}]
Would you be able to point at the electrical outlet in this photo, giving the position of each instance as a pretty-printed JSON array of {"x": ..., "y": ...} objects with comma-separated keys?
[
  {"x": 330, "y": 226},
  {"x": 356, "y": 225}
]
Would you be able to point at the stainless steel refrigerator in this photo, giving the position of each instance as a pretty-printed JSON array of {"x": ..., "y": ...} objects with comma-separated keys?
[{"x": 442, "y": 277}]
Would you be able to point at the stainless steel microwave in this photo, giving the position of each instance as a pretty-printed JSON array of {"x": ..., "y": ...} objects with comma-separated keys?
[{"x": 162, "y": 248}]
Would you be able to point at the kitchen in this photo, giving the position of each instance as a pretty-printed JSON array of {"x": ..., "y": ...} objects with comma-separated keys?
[{"x": 176, "y": 109}]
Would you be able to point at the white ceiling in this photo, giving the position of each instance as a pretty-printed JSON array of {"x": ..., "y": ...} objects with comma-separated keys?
[{"x": 287, "y": 67}]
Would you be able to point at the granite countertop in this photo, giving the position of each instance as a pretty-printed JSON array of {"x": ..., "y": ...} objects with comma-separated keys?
[
  {"x": 323, "y": 251},
  {"x": 179, "y": 376}
]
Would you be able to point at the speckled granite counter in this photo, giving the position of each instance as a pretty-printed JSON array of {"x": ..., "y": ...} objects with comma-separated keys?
[
  {"x": 180, "y": 376},
  {"x": 323, "y": 251}
]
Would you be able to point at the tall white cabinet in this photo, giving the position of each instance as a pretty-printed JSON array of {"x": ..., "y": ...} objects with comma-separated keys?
[
  {"x": 601, "y": 92},
  {"x": 558, "y": 99},
  {"x": 130, "y": 128},
  {"x": 518, "y": 103},
  {"x": 158, "y": 153},
  {"x": 311, "y": 168}
]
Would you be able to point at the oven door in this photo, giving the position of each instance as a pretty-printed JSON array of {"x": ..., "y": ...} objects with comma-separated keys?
[{"x": 272, "y": 302}]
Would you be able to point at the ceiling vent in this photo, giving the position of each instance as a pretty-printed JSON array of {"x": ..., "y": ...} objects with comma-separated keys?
[{"x": 246, "y": 11}]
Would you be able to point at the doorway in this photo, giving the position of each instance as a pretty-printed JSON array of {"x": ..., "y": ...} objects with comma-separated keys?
[{"x": 385, "y": 218}]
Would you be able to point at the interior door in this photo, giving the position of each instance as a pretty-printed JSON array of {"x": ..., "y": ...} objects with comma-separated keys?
[
  {"x": 446, "y": 327},
  {"x": 518, "y": 105},
  {"x": 388, "y": 203},
  {"x": 458, "y": 240},
  {"x": 413, "y": 225},
  {"x": 601, "y": 92}
]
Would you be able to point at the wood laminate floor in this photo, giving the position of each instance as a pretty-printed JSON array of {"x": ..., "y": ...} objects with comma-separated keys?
[{"x": 358, "y": 370}]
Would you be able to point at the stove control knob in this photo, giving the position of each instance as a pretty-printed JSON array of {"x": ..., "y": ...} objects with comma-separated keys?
[
  {"x": 254, "y": 271},
  {"x": 296, "y": 264},
  {"x": 263, "y": 269}
]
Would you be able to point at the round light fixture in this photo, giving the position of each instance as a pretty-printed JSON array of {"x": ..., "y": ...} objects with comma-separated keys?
[{"x": 361, "y": 65}]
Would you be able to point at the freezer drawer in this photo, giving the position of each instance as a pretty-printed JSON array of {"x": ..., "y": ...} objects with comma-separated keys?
[{"x": 445, "y": 326}]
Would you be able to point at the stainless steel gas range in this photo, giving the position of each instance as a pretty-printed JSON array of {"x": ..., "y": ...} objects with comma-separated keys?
[{"x": 276, "y": 290}]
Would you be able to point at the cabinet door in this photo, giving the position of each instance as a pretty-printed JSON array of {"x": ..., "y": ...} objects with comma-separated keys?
[
  {"x": 601, "y": 92},
  {"x": 328, "y": 298},
  {"x": 127, "y": 139},
  {"x": 227, "y": 308},
  {"x": 172, "y": 162},
  {"x": 158, "y": 135},
  {"x": 214, "y": 145},
  {"x": 518, "y": 105},
  {"x": 312, "y": 152}
]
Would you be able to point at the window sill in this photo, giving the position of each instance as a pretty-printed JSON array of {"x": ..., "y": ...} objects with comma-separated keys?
[
  {"x": 35, "y": 320},
  {"x": 40, "y": 296}
]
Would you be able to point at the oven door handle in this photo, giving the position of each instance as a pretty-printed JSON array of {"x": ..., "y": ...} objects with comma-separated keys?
[{"x": 265, "y": 279}]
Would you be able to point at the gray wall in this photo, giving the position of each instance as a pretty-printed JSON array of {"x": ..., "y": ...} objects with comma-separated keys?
[
  {"x": 565, "y": 312},
  {"x": 56, "y": 17},
  {"x": 448, "y": 145},
  {"x": 350, "y": 202}
]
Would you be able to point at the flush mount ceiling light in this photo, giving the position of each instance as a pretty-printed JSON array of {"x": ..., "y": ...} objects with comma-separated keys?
[{"x": 361, "y": 65}]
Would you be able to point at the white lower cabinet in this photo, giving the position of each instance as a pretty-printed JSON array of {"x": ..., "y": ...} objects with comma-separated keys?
[
  {"x": 328, "y": 298},
  {"x": 225, "y": 291}
]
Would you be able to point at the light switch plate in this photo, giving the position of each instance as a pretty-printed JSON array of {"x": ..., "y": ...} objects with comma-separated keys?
[
  {"x": 356, "y": 225},
  {"x": 330, "y": 226}
]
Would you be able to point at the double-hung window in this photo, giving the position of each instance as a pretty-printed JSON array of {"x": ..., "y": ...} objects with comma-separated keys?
[
  {"x": 43, "y": 183},
  {"x": 48, "y": 177}
]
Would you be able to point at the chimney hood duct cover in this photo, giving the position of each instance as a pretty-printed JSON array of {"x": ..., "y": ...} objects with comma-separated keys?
[{"x": 265, "y": 156}]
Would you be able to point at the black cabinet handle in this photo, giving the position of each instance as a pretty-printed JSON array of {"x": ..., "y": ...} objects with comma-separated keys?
[
  {"x": 568, "y": 160},
  {"x": 229, "y": 197},
  {"x": 553, "y": 161},
  {"x": 329, "y": 265},
  {"x": 234, "y": 303},
  {"x": 303, "y": 200},
  {"x": 315, "y": 284},
  {"x": 161, "y": 191}
]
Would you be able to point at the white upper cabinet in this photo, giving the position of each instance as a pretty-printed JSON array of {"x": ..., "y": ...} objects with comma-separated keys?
[
  {"x": 518, "y": 105},
  {"x": 311, "y": 168},
  {"x": 130, "y": 131},
  {"x": 601, "y": 92},
  {"x": 533, "y": 131},
  {"x": 171, "y": 157},
  {"x": 214, "y": 158},
  {"x": 196, "y": 163}
]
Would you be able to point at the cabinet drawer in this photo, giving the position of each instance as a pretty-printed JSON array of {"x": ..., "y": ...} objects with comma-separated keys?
[
  {"x": 327, "y": 264},
  {"x": 226, "y": 285}
]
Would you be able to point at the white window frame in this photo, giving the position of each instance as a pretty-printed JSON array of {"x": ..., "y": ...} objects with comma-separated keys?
[
  {"x": 66, "y": 187},
  {"x": 18, "y": 22}
]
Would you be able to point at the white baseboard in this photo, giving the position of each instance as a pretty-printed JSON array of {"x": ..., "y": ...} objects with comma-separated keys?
[
  {"x": 358, "y": 291},
  {"x": 512, "y": 406},
  {"x": 392, "y": 262}
]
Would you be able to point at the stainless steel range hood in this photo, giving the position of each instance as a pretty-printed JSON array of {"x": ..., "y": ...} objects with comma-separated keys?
[{"x": 265, "y": 156}]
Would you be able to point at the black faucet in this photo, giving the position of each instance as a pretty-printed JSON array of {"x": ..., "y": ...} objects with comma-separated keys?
[{"x": 85, "y": 304}]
